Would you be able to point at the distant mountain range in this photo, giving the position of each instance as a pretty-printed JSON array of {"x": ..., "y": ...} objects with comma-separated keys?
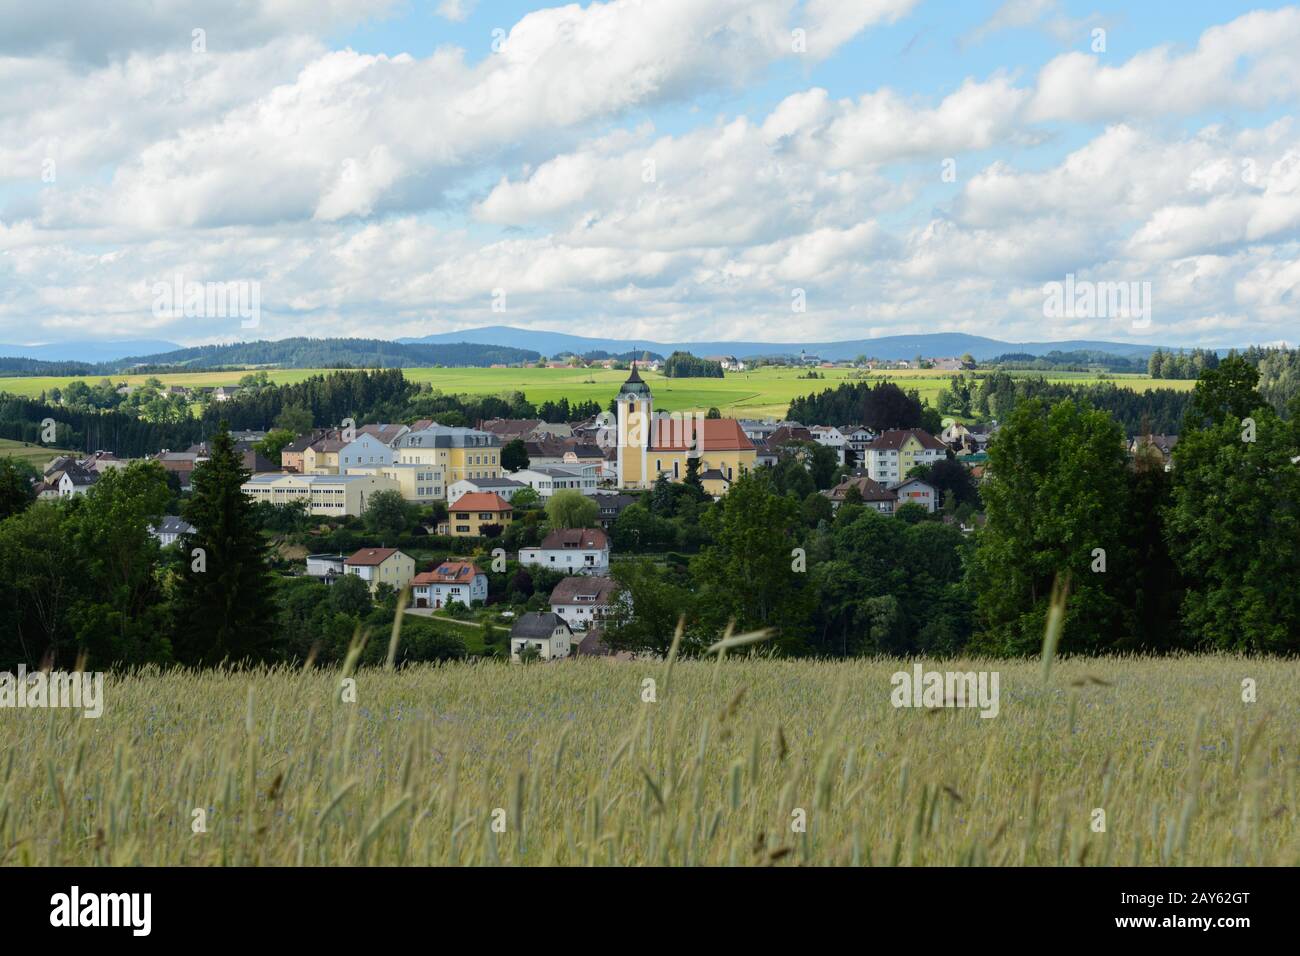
[
  {"x": 88, "y": 351},
  {"x": 941, "y": 344},
  {"x": 503, "y": 344}
]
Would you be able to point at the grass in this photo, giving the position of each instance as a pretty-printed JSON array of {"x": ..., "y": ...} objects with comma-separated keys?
[
  {"x": 36, "y": 455},
  {"x": 579, "y": 770},
  {"x": 760, "y": 393}
]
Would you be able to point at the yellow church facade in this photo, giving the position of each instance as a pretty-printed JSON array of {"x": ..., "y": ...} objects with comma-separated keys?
[{"x": 651, "y": 445}]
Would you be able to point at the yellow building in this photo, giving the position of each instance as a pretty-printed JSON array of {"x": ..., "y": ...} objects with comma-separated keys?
[
  {"x": 329, "y": 495},
  {"x": 651, "y": 445},
  {"x": 472, "y": 511},
  {"x": 460, "y": 453},
  {"x": 890, "y": 457},
  {"x": 419, "y": 483},
  {"x": 378, "y": 566},
  {"x": 322, "y": 457}
]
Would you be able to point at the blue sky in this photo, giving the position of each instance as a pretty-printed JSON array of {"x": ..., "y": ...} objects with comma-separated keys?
[{"x": 670, "y": 168}]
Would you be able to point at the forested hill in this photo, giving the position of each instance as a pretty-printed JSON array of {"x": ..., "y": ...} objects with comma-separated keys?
[
  {"x": 337, "y": 353},
  {"x": 291, "y": 353}
]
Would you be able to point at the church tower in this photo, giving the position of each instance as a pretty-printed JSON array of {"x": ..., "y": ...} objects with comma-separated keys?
[{"x": 634, "y": 425}]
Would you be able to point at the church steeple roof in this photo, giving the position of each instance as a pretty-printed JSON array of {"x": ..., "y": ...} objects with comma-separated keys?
[{"x": 634, "y": 384}]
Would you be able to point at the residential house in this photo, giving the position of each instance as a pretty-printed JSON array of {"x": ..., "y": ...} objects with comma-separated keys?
[
  {"x": 871, "y": 493},
  {"x": 856, "y": 440},
  {"x": 322, "y": 456},
  {"x": 507, "y": 488},
  {"x": 917, "y": 492},
  {"x": 549, "y": 479},
  {"x": 327, "y": 567},
  {"x": 169, "y": 529},
  {"x": 544, "y": 632},
  {"x": 224, "y": 393},
  {"x": 452, "y": 581},
  {"x": 475, "y": 511},
  {"x": 387, "y": 434},
  {"x": 365, "y": 449},
  {"x": 830, "y": 437},
  {"x": 378, "y": 566},
  {"x": 291, "y": 455},
  {"x": 584, "y": 600},
  {"x": 891, "y": 456},
  {"x": 611, "y": 506},
  {"x": 573, "y": 550}
]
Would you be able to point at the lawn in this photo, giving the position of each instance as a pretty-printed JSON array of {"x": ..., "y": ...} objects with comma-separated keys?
[
  {"x": 36, "y": 455},
  {"x": 579, "y": 763},
  {"x": 765, "y": 392}
]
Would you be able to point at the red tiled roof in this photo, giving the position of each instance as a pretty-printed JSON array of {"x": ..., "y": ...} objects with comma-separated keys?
[
  {"x": 481, "y": 501},
  {"x": 449, "y": 572},
  {"x": 717, "y": 434}
]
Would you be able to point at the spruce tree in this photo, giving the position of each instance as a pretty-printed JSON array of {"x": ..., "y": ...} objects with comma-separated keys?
[{"x": 224, "y": 600}]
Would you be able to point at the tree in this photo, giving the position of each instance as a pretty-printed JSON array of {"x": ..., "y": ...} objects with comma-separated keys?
[
  {"x": 1233, "y": 521},
  {"x": 223, "y": 606},
  {"x": 16, "y": 488},
  {"x": 296, "y": 419},
  {"x": 123, "y": 619},
  {"x": 1057, "y": 492},
  {"x": 525, "y": 498},
  {"x": 41, "y": 577},
  {"x": 350, "y": 595},
  {"x": 571, "y": 509},
  {"x": 514, "y": 455},
  {"x": 389, "y": 515},
  {"x": 1224, "y": 392},
  {"x": 750, "y": 574},
  {"x": 274, "y": 442},
  {"x": 650, "y": 604}
]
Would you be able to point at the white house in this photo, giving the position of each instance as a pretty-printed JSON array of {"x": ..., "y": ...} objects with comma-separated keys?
[
  {"x": 507, "y": 488},
  {"x": 545, "y": 632},
  {"x": 325, "y": 566},
  {"x": 584, "y": 600},
  {"x": 171, "y": 528},
  {"x": 365, "y": 449},
  {"x": 915, "y": 491},
  {"x": 460, "y": 581},
  {"x": 573, "y": 550},
  {"x": 549, "y": 479},
  {"x": 830, "y": 437}
]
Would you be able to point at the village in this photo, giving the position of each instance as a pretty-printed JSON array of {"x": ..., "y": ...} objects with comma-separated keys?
[{"x": 461, "y": 477}]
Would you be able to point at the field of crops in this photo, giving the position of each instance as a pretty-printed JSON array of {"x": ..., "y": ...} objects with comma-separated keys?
[
  {"x": 760, "y": 393},
  {"x": 747, "y": 762}
]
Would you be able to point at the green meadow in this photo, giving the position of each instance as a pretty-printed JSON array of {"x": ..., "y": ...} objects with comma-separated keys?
[
  {"x": 761, "y": 393},
  {"x": 748, "y": 761},
  {"x": 37, "y": 455}
]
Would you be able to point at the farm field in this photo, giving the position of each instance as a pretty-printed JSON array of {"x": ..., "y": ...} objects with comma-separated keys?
[
  {"x": 718, "y": 770},
  {"x": 765, "y": 392},
  {"x": 37, "y": 455}
]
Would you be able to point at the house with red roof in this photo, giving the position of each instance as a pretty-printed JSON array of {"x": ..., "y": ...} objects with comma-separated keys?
[{"x": 451, "y": 581}]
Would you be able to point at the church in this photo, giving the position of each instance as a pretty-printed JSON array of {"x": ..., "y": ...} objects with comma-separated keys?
[{"x": 650, "y": 444}]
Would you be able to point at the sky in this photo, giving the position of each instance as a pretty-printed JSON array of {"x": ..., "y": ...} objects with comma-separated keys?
[{"x": 663, "y": 170}]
